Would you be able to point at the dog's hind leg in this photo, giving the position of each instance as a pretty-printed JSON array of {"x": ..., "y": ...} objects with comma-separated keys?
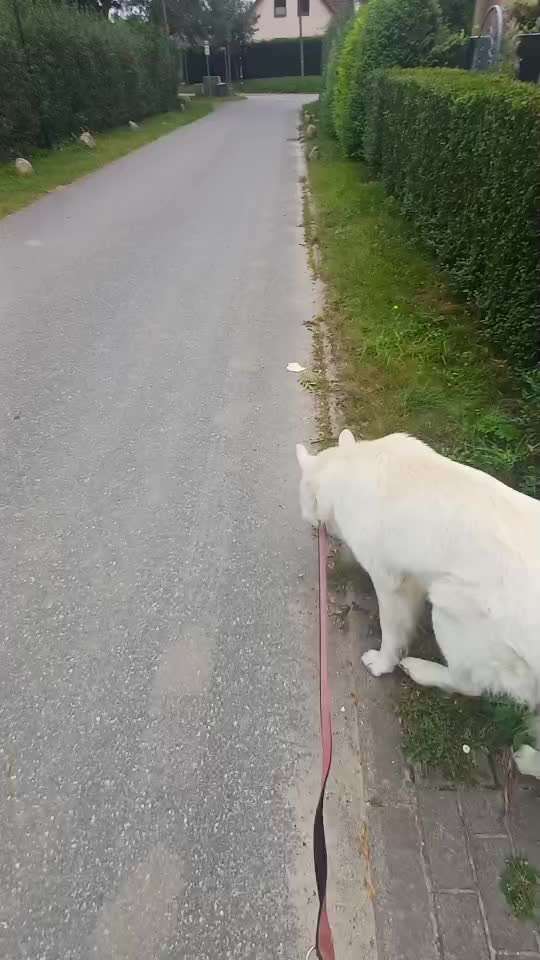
[
  {"x": 527, "y": 760},
  {"x": 428, "y": 674},
  {"x": 400, "y": 602}
]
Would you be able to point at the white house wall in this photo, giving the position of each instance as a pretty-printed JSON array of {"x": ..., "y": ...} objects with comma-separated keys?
[{"x": 270, "y": 27}]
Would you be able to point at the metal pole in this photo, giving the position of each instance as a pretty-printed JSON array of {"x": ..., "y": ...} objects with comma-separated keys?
[
  {"x": 301, "y": 38},
  {"x": 229, "y": 65},
  {"x": 165, "y": 18}
]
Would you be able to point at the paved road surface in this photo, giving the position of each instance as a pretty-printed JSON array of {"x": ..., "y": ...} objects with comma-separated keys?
[{"x": 157, "y": 583}]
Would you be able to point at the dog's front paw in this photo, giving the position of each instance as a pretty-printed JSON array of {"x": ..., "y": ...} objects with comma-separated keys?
[{"x": 377, "y": 663}]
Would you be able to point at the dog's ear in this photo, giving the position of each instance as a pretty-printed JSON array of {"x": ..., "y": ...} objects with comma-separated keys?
[
  {"x": 302, "y": 456},
  {"x": 346, "y": 439}
]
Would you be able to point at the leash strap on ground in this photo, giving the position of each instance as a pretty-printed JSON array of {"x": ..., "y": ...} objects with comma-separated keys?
[{"x": 324, "y": 946}]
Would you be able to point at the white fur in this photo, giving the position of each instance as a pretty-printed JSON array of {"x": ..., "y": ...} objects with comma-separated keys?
[{"x": 424, "y": 527}]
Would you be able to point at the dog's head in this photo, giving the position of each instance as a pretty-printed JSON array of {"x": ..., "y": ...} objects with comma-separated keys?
[{"x": 313, "y": 510}]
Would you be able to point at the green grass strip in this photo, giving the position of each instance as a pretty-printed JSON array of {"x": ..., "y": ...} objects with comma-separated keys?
[
  {"x": 410, "y": 356},
  {"x": 309, "y": 84},
  {"x": 56, "y": 168}
]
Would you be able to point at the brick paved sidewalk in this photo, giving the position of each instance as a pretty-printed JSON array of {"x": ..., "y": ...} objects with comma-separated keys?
[{"x": 436, "y": 852}]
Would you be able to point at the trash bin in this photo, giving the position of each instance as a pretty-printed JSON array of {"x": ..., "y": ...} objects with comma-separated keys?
[{"x": 210, "y": 86}]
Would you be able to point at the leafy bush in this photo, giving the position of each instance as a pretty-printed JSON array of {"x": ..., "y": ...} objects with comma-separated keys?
[
  {"x": 461, "y": 152},
  {"x": 343, "y": 101},
  {"x": 333, "y": 40},
  {"x": 75, "y": 71},
  {"x": 458, "y": 15},
  {"x": 19, "y": 126},
  {"x": 450, "y": 50},
  {"x": 398, "y": 33},
  {"x": 526, "y": 13}
]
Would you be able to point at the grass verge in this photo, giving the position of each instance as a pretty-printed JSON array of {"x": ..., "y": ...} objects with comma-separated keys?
[
  {"x": 520, "y": 884},
  {"x": 451, "y": 734},
  {"x": 55, "y": 168},
  {"x": 407, "y": 359},
  {"x": 281, "y": 85}
]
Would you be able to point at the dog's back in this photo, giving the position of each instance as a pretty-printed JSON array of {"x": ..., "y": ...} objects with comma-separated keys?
[{"x": 430, "y": 514}]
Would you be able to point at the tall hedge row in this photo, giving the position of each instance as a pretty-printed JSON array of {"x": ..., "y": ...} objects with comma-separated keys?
[
  {"x": 461, "y": 152},
  {"x": 334, "y": 38},
  {"x": 344, "y": 105},
  {"x": 396, "y": 33},
  {"x": 62, "y": 71}
]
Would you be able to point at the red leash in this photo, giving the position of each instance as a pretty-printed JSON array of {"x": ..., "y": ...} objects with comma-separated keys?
[{"x": 324, "y": 946}]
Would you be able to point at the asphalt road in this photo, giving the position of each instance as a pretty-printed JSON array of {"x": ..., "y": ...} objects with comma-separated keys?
[{"x": 157, "y": 611}]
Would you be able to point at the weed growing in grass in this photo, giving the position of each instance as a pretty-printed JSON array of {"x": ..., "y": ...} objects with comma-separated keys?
[
  {"x": 520, "y": 884},
  {"x": 452, "y": 733}
]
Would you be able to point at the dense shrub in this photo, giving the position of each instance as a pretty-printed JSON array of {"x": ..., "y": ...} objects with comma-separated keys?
[
  {"x": 75, "y": 71},
  {"x": 344, "y": 107},
  {"x": 458, "y": 15},
  {"x": 19, "y": 125},
  {"x": 450, "y": 50},
  {"x": 399, "y": 33},
  {"x": 461, "y": 152},
  {"x": 451, "y": 46},
  {"x": 332, "y": 44}
]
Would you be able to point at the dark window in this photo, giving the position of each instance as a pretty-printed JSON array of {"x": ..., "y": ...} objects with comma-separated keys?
[
  {"x": 303, "y": 8},
  {"x": 280, "y": 8}
]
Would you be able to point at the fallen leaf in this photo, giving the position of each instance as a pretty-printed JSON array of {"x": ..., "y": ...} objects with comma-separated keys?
[{"x": 295, "y": 367}]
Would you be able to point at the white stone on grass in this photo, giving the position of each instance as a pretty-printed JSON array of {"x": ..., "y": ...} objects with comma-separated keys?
[
  {"x": 23, "y": 167},
  {"x": 87, "y": 139}
]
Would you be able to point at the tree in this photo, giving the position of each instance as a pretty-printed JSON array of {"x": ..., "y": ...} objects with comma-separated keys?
[
  {"x": 230, "y": 25},
  {"x": 185, "y": 19},
  {"x": 225, "y": 24}
]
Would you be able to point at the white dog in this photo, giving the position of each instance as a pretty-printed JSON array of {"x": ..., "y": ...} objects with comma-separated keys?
[{"x": 424, "y": 526}]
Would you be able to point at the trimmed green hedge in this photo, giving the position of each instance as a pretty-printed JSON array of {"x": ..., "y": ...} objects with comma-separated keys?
[
  {"x": 397, "y": 33},
  {"x": 19, "y": 123},
  {"x": 333, "y": 40},
  {"x": 461, "y": 152},
  {"x": 76, "y": 71},
  {"x": 344, "y": 101}
]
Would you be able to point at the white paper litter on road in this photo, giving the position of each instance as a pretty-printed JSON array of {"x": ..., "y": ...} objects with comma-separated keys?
[{"x": 295, "y": 367}]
